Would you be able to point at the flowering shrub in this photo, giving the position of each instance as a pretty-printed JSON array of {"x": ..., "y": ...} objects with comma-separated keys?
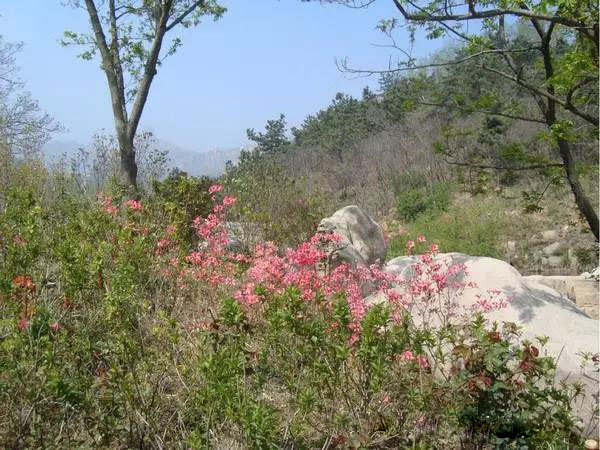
[
  {"x": 179, "y": 199},
  {"x": 115, "y": 334},
  {"x": 432, "y": 290},
  {"x": 282, "y": 207}
]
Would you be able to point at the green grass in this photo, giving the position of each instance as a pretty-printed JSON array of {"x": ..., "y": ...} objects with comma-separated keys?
[{"x": 474, "y": 227}]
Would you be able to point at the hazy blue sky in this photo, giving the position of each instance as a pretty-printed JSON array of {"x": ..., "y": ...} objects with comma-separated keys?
[{"x": 264, "y": 57}]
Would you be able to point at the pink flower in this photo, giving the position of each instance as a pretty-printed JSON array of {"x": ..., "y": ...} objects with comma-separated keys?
[
  {"x": 17, "y": 239},
  {"x": 407, "y": 356},
  {"x": 422, "y": 361},
  {"x": 428, "y": 290},
  {"x": 23, "y": 324},
  {"x": 410, "y": 245},
  {"x": 228, "y": 200},
  {"x": 55, "y": 326},
  {"x": 134, "y": 205},
  {"x": 215, "y": 188},
  {"x": 107, "y": 205},
  {"x": 162, "y": 246}
]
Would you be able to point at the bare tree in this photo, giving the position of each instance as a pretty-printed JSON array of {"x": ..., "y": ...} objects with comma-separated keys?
[
  {"x": 129, "y": 36},
  {"x": 24, "y": 128}
]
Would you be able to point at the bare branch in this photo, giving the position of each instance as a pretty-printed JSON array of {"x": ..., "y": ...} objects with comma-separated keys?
[
  {"x": 483, "y": 111},
  {"x": 442, "y": 64},
  {"x": 494, "y": 167},
  {"x": 149, "y": 70},
  {"x": 185, "y": 13},
  {"x": 569, "y": 107},
  {"x": 426, "y": 17}
]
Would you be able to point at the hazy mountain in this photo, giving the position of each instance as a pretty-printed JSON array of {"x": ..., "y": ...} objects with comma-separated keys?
[
  {"x": 56, "y": 148},
  {"x": 211, "y": 163}
]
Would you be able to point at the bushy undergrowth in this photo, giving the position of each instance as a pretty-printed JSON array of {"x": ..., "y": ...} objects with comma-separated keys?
[
  {"x": 474, "y": 228},
  {"x": 281, "y": 205},
  {"x": 181, "y": 198},
  {"x": 113, "y": 334},
  {"x": 421, "y": 200}
]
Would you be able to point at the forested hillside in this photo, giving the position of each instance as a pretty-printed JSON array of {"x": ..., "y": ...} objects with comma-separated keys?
[{"x": 446, "y": 148}]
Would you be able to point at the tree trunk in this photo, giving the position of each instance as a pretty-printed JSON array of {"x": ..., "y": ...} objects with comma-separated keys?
[
  {"x": 583, "y": 203},
  {"x": 128, "y": 172},
  {"x": 564, "y": 148},
  {"x": 128, "y": 166}
]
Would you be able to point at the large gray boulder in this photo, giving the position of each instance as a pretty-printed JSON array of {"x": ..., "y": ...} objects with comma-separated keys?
[
  {"x": 242, "y": 237},
  {"x": 362, "y": 240},
  {"x": 540, "y": 310}
]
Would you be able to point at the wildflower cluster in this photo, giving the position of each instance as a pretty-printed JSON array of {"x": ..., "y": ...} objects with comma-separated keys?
[
  {"x": 213, "y": 262},
  {"x": 431, "y": 290},
  {"x": 107, "y": 205}
]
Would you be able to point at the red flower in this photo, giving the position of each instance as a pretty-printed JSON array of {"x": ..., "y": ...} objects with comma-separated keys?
[
  {"x": 494, "y": 336},
  {"x": 134, "y": 205}
]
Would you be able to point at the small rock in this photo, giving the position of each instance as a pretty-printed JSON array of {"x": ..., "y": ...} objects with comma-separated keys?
[
  {"x": 553, "y": 249},
  {"x": 550, "y": 235},
  {"x": 593, "y": 275},
  {"x": 511, "y": 246},
  {"x": 555, "y": 261}
]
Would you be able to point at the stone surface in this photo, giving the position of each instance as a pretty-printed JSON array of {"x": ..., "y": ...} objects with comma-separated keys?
[
  {"x": 585, "y": 293},
  {"x": 242, "y": 237},
  {"x": 553, "y": 249},
  {"x": 555, "y": 261},
  {"x": 550, "y": 235},
  {"x": 362, "y": 241},
  {"x": 511, "y": 246},
  {"x": 593, "y": 275},
  {"x": 540, "y": 310}
]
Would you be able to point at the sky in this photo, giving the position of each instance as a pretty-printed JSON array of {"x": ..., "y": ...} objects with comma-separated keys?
[{"x": 262, "y": 58}]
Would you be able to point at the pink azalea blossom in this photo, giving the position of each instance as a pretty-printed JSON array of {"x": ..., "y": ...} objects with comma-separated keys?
[
  {"x": 107, "y": 205},
  {"x": 134, "y": 205},
  {"x": 215, "y": 188},
  {"x": 428, "y": 291},
  {"x": 422, "y": 362},
  {"x": 228, "y": 200},
  {"x": 407, "y": 356},
  {"x": 17, "y": 239}
]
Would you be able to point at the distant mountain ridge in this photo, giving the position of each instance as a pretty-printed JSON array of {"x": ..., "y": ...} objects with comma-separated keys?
[{"x": 210, "y": 163}]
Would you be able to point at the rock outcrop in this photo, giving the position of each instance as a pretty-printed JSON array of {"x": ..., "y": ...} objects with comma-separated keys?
[
  {"x": 542, "y": 306},
  {"x": 580, "y": 290},
  {"x": 242, "y": 237},
  {"x": 362, "y": 240},
  {"x": 541, "y": 311}
]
